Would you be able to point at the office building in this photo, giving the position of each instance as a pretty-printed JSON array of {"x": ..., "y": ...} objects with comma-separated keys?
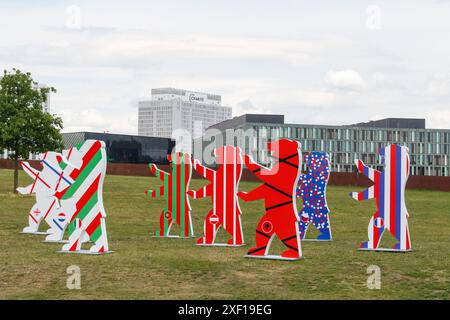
[
  {"x": 180, "y": 114},
  {"x": 429, "y": 148}
]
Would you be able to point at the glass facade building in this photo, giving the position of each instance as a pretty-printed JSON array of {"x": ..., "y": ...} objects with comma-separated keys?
[
  {"x": 429, "y": 148},
  {"x": 123, "y": 148}
]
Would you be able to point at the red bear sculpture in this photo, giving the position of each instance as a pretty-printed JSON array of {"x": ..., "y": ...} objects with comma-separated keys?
[
  {"x": 223, "y": 192},
  {"x": 278, "y": 192}
]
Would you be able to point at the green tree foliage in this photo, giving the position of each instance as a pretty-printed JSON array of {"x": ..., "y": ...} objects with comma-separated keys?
[{"x": 24, "y": 126}]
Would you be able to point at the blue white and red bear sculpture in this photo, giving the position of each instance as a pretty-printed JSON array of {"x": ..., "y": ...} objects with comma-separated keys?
[
  {"x": 312, "y": 188},
  {"x": 388, "y": 189}
]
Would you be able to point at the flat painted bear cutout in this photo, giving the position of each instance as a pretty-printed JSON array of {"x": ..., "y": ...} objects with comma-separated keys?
[
  {"x": 174, "y": 190},
  {"x": 389, "y": 193},
  {"x": 278, "y": 191},
  {"x": 82, "y": 201},
  {"x": 312, "y": 189},
  {"x": 44, "y": 186},
  {"x": 222, "y": 189}
]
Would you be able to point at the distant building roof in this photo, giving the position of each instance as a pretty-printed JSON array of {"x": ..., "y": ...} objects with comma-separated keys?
[
  {"x": 96, "y": 135},
  {"x": 245, "y": 118},
  {"x": 183, "y": 92},
  {"x": 394, "y": 123}
]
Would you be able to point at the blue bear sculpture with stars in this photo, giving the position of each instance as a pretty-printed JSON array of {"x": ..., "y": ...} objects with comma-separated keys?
[{"x": 312, "y": 189}]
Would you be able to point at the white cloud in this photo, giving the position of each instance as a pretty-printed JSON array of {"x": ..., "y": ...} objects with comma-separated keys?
[
  {"x": 345, "y": 80},
  {"x": 138, "y": 49}
]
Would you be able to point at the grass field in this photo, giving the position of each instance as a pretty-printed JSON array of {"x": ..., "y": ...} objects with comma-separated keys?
[{"x": 143, "y": 267}]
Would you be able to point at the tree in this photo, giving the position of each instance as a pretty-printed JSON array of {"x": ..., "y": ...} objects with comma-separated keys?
[{"x": 24, "y": 125}]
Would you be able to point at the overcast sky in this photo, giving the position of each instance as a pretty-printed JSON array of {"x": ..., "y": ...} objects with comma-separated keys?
[{"x": 317, "y": 62}]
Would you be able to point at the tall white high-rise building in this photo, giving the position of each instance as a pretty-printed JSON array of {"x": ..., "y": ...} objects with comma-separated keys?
[{"x": 180, "y": 114}]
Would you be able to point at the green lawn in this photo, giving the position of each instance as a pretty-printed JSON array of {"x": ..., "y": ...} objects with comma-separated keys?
[{"x": 143, "y": 267}]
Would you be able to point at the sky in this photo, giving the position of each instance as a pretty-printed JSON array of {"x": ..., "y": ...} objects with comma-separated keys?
[{"x": 316, "y": 62}]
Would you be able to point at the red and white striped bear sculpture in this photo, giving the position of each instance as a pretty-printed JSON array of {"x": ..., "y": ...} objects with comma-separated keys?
[
  {"x": 278, "y": 192},
  {"x": 223, "y": 192}
]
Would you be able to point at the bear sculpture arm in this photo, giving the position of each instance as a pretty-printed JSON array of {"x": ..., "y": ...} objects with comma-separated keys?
[
  {"x": 203, "y": 192},
  {"x": 34, "y": 174},
  {"x": 255, "y": 194},
  {"x": 364, "y": 195},
  {"x": 367, "y": 171},
  {"x": 207, "y": 173},
  {"x": 26, "y": 190},
  {"x": 29, "y": 170},
  {"x": 158, "y": 172},
  {"x": 156, "y": 193},
  {"x": 256, "y": 168}
]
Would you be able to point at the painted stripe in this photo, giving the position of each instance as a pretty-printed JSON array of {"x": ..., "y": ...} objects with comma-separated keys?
[
  {"x": 365, "y": 194},
  {"x": 97, "y": 233},
  {"x": 92, "y": 202},
  {"x": 214, "y": 194},
  {"x": 392, "y": 195},
  {"x": 234, "y": 196},
  {"x": 403, "y": 214},
  {"x": 224, "y": 187},
  {"x": 69, "y": 192},
  {"x": 60, "y": 174},
  {"x": 34, "y": 183},
  {"x": 94, "y": 224},
  {"x": 86, "y": 158},
  {"x": 59, "y": 181},
  {"x": 376, "y": 181},
  {"x": 166, "y": 203},
  {"x": 398, "y": 193},
  {"x": 387, "y": 190},
  {"x": 408, "y": 244},
  {"x": 49, "y": 209},
  {"x": 360, "y": 166},
  {"x": 70, "y": 153},
  {"x": 183, "y": 216},
  {"x": 178, "y": 190},
  {"x": 57, "y": 224},
  {"x": 74, "y": 246},
  {"x": 61, "y": 163},
  {"x": 191, "y": 227},
  {"x": 31, "y": 216},
  {"x": 36, "y": 175},
  {"x": 97, "y": 171},
  {"x": 377, "y": 233},
  {"x": 92, "y": 189}
]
